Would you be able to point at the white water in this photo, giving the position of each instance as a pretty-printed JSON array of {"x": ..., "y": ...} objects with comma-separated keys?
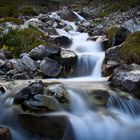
[{"x": 90, "y": 53}]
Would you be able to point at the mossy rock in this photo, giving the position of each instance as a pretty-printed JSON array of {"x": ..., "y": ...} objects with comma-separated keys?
[
  {"x": 21, "y": 41},
  {"x": 11, "y": 19},
  {"x": 130, "y": 51},
  {"x": 117, "y": 35}
]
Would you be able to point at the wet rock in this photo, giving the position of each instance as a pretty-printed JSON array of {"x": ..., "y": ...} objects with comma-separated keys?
[
  {"x": 58, "y": 91},
  {"x": 68, "y": 57},
  {"x": 41, "y": 51},
  {"x": 69, "y": 15},
  {"x": 109, "y": 67},
  {"x": 21, "y": 76},
  {"x": 2, "y": 89},
  {"x": 28, "y": 92},
  {"x": 29, "y": 63},
  {"x": 50, "y": 67},
  {"x": 113, "y": 54},
  {"x": 51, "y": 126},
  {"x": 63, "y": 41},
  {"x": 127, "y": 78},
  {"x": 42, "y": 103},
  {"x": 5, "y": 134},
  {"x": 98, "y": 97}
]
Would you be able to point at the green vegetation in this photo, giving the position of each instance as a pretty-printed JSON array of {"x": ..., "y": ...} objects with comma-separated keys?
[
  {"x": 110, "y": 33},
  {"x": 130, "y": 50},
  {"x": 11, "y": 19},
  {"x": 27, "y": 11},
  {"x": 20, "y": 41}
]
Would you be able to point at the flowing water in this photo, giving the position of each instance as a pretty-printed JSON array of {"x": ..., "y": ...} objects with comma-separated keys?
[{"x": 119, "y": 120}]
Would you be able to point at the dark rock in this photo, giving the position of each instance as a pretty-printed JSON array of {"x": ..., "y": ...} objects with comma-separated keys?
[
  {"x": 5, "y": 134},
  {"x": 2, "y": 89},
  {"x": 63, "y": 41},
  {"x": 127, "y": 78},
  {"x": 98, "y": 97},
  {"x": 109, "y": 67},
  {"x": 2, "y": 54},
  {"x": 69, "y": 15},
  {"x": 51, "y": 126},
  {"x": 50, "y": 67},
  {"x": 113, "y": 54}
]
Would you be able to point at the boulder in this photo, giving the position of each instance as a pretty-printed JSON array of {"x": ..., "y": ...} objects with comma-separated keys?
[
  {"x": 68, "y": 57},
  {"x": 2, "y": 54},
  {"x": 41, "y": 51},
  {"x": 50, "y": 67},
  {"x": 127, "y": 78},
  {"x": 63, "y": 41},
  {"x": 52, "y": 126},
  {"x": 29, "y": 63},
  {"x": 5, "y": 134},
  {"x": 58, "y": 91},
  {"x": 42, "y": 103},
  {"x": 98, "y": 97},
  {"x": 68, "y": 15},
  {"x": 113, "y": 54}
]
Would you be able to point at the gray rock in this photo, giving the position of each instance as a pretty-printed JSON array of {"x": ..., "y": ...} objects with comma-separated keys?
[
  {"x": 29, "y": 63},
  {"x": 51, "y": 126},
  {"x": 127, "y": 78},
  {"x": 58, "y": 91},
  {"x": 50, "y": 67},
  {"x": 2, "y": 54}
]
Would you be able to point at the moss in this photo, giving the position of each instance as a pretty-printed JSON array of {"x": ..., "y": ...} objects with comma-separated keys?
[
  {"x": 27, "y": 11},
  {"x": 11, "y": 19},
  {"x": 110, "y": 33},
  {"x": 20, "y": 41},
  {"x": 130, "y": 50}
]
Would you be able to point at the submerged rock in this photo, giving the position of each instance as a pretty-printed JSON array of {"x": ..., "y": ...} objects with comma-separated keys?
[
  {"x": 5, "y": 134},
  {"x": 50, "y": 67},
  {"x": 51, "y": 126},
  {"x": 98, "y": 97}
]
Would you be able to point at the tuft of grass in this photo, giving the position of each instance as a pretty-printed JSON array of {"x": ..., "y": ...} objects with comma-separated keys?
[
  {"x": 20, "y": 41},
  {"x": 130, "y": 50},
  {"x": 11, "y": 19}
]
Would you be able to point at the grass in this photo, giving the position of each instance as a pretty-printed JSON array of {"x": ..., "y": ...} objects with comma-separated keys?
[
  {"x": 20, "y": 41},
  {"x": 130, "y": 50}
]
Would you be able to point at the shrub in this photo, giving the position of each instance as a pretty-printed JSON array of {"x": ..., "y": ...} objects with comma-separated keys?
[{"x": 20, "y": 41}]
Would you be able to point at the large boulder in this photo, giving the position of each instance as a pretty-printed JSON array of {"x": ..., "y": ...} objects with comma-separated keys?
[
  {"x": 51, "y": 126},
  {"x": 63, "y": 41},
  {"x": 127, "y": 78},
  {"x": 117, "y": 35},
  {"x": 28, "y": 63},
  {"x": 41, "y": 51},
  {"x": 5, "y": 134},
  {"x": 50, "y": 67}
]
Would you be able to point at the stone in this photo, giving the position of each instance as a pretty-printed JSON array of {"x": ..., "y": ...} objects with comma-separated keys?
[
  {"x": 42, "y": 103},
  {"x": 52, "y": 126},
  {"x": 50, "y": 67},
  {"x": 41, "y": 51},
  {"x": 58, "y": 91},
  {"x": 127, "y": 78},
  {"x": 2, "y": 54},
  {"x": 98, "y": 97},
  {"x": 68, "y": 57},
  {"x": 63, "y": 41},
  {"x": 5, "y": 134},
  {"x": 29, "y": 63}
]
